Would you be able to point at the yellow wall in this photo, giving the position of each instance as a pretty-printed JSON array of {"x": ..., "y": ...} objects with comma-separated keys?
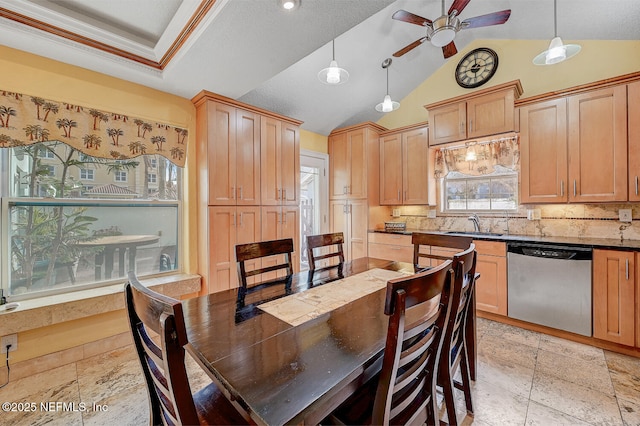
[
  {"x": 596, "y": 61},
  {"x": 313, "y": 141}
]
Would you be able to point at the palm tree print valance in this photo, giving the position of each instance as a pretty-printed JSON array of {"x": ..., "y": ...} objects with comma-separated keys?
[{"x": 26, "y": 120}]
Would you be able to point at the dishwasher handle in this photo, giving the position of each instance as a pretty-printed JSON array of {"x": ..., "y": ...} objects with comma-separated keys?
[{"x": 551, "y": 251}]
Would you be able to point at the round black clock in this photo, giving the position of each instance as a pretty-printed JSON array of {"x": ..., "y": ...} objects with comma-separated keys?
[{"x": 476, "y": 67}]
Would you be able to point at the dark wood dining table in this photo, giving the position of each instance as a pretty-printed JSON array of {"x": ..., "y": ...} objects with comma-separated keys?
[{"x": 284, "y": 374}]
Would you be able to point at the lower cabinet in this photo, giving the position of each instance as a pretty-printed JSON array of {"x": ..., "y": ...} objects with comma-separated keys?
[
  {"x": 615, "y": 292},
  {"x": 391, "y": 246},
  {"x": 280, "y": 222},
  {"x": 228, "y": 226},
  {"x": 491, "y": 288},
  {"x": 351, "y": 218}
]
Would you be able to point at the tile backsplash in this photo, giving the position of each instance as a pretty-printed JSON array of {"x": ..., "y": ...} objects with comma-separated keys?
[{"x": 568, "y": 220}]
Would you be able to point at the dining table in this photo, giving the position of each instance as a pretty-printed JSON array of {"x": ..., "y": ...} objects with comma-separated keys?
[{"x": 292, "y": 353}]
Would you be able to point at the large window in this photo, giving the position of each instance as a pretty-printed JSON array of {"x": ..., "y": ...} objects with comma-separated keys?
[
  {"x": 497, "y": 191},
  {"x": 60, "y": 236}
]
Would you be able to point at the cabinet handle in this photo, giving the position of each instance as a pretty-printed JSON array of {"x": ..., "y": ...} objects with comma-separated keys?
[
  {"x": 284, "y": 218},
  {"x": 461, "y": 127},
  {"x": 575, "y": 190},
  {"x": 348, "y": 189},
  {"x": 636, "y": 185},
  {"x": 471, "y": 125},
  {"x": 398, "y": 195},
  {"x": 277, "y": 194},
  {"x": 240, "y": 223},
  {"x": 344, "y": 189},
  {"x": 344, "y": 209},
  {"x": 284, "y": 194},
  {"x": 626, "y": 268},
  {"x": 233, "y": 223},
  {"x": 562, "y": 188},
  {"x": 233, "y": 192},
  {"x": 240, "y": 193},
  {"x": 405, "y": 195}
]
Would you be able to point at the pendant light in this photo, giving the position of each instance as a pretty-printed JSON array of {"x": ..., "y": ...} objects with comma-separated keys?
[
  {"x": 387, "y": 105},
  {"x": 557, "y": 52},
  {"x": 333, "y": 75}
]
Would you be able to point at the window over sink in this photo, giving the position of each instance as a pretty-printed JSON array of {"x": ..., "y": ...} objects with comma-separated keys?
[{"x": 497, "y": 191}]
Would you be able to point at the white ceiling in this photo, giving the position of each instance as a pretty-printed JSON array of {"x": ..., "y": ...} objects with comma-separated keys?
[{"x": 254, "y": 51}]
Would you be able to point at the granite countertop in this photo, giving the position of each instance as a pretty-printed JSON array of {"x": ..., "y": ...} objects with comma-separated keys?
[{"x": 602, "y": 243}]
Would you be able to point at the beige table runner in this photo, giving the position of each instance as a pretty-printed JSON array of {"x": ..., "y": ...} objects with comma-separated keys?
[{"x": 301, "y": 307}]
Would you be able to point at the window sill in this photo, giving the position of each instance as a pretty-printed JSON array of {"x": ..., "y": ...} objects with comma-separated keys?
[{"x": 46, "y": 311}]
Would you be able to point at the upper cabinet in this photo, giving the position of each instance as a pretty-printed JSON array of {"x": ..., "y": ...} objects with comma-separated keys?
[
  {"x": 280, "y": 153},
  {"x": 482, "y": 113},
  {"x": 404, "y": 163},
  {"x": 598, "y": 145},
  {"x": 575, "y": 148},
  {"x": 633, "y": 97}
]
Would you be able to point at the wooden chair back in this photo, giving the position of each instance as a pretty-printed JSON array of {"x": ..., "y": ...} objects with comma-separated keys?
[
  {"x": 251, "y": 251},
  {"x": 454, "y": 349},
  {"x": 406, "y": 392},
  {"x": 420, "y": 239},
  {"x": 171, "y": 401},
  {"x": 334, "y": 241}
]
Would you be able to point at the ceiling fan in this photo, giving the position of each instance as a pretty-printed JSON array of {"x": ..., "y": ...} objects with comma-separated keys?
[{"x": 442, "y": 31}]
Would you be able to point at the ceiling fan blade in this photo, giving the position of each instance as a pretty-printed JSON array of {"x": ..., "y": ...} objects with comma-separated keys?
[
  {"x": 458, "y": 5},
  {"x": 495, "y": 18},
  {"x": 449, "y": 50},
  {"x": 404, "y": 16},
  {"x": 409, "y": 47}
]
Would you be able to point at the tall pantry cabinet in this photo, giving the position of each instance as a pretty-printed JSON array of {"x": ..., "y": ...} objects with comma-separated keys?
[
  {"x": 248, "y": 183},
  {"x": 354, "y": 183}
]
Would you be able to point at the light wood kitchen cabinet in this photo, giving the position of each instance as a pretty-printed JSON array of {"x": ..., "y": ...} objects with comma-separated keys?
[
  {"x": 633, "y": 97},
  {"x": 228, "y": 226},
  {"x": 404, "y": 164},
  {"x": 233, "y": 153},
  {"x": 396, "y": 247},
  {"x": 350, "y": 218},
  {"x": 280, "y": 222},
  {"x": 245, "y": 157},
  {"x": 482, "y": 113},
  {"x": 491, "y": 287},
  {"x": 597, "y": 142},
  {"x": 614, "y": 296},
  {"x": 543, "y": 152},
  {"x": 280, "y": 154}
]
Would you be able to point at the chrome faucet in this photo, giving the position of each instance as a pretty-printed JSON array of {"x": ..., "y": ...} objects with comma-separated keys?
[{"x": 476, "y": 222}]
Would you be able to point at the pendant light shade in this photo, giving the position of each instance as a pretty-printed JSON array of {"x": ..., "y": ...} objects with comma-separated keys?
[
  {"x": 333, "y": 75},
  {"x": 387, "y": 105},
  {"x": 557, "y": 51}
]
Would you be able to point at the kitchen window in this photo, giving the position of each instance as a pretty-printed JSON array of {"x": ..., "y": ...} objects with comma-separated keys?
[
  {"x": 497, "y": 191},
  {"x": 58, "y": 236}
]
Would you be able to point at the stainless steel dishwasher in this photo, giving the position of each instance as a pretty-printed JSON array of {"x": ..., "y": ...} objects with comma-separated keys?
[{"x": 550, "y": 285}]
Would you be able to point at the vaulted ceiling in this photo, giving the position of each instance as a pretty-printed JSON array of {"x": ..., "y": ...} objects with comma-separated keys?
[{"x": 259, "y": 53}]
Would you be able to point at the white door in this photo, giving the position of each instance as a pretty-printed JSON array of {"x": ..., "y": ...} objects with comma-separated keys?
[{"x": 314, "y": 199}]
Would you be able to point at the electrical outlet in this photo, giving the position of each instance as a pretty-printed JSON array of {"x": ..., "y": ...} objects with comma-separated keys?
[
  {"x": 11, "y": 339},
  {"x": 395, "y": 212},
  {"x": 431, "y": 214},
  {"x": 624, "y": 215}
]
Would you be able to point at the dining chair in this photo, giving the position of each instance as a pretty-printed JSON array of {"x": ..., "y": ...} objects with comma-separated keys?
[
  {"x": 170, "y": 399},
  {"x": 455, "y": 351},
  {"x": 418, "y": 307},
  {"x": 261, "y": 250},
  {"x": 335, "y": 243},
  {"x": 430, "y": 246}
]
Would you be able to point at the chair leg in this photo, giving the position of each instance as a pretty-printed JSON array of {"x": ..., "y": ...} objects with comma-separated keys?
[
  {"x": 447, "y": 390},
  {"x": 466, "y": 383}
]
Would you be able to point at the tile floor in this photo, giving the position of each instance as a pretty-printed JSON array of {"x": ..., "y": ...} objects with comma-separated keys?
[{"x": 524, "y": 378}]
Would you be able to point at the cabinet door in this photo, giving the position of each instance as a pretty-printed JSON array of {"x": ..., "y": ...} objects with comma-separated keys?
[
  {"x": 339, "y": 166},
  {"x": 491, "y": 287},
  {"x": 271, "y": 139},
  {"x": 221, "y": 152},
  {"x": 391, "y": 170},
  {"x": 247, "y": 165},
  {"x": 598, "y": 145},
  {"x": 290, "y": 164},
  {"x": 290, "y": 228},
  {"x": 357, "y": 215},
  {"x": 248, "y": 230},
  {"x": 357, "y": 142},
  {"x": 543, "y": 152},
  {"x": 447, "y": 123},
  {"x": 614, "y": 296},
  {"x": 415, "y": 155},
  {"x": 338, "y": 223},
  {"x": 634, "y": 140},
  {"x": 490, "y": 114},
  {"x": 222, "y": 242}
]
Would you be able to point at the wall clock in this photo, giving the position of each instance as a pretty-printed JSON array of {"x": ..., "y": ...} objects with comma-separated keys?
[{"x": 476, "y": 68}]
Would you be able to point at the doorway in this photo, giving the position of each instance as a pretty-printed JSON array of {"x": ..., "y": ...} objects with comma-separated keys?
[{"x": 314, "y": 199}]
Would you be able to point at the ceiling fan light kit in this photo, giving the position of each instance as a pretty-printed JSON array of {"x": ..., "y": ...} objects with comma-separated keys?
[
  {"x": 333, "y": 75},
  {"x": 557, "y": 51},
  {"x": 387, "y": 105}
]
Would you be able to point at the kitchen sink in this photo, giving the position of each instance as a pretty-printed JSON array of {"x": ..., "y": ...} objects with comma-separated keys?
[{"x": 480, "y": 234}]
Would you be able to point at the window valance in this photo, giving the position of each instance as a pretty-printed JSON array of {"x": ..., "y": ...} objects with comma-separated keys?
[
  {"x": 26, "y": 120},
  {"x": 479, "y": 157}
]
